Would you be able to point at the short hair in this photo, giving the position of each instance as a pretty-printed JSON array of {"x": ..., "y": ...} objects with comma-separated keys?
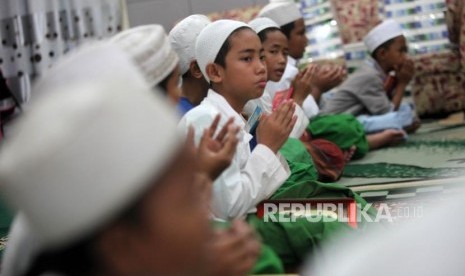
[
  {"x": 287, "y": 29},
  {"x": 163, "y": 84},
  {"x": 385, "y": 46},
  {"x": 263, "y": 34}
]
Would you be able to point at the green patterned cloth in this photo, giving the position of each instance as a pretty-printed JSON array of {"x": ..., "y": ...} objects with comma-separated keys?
[
  {"x": 387, "y": 170},
  {"x": 293, "y": 241},
  {"x": 342, "y": 129},
  {"x": 440, "y": 154}
]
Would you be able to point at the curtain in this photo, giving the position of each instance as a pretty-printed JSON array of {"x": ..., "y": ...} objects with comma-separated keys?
[{"x": 35, "y": 33}]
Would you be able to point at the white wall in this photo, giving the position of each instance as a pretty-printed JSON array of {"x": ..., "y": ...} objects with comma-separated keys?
[{"x": 168, "y": 12}]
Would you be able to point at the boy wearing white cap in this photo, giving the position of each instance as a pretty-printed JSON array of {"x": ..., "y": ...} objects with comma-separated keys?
[
  {"x": 89, "y": 169},
  {"x": 328, "y": 161},
  {"x": 364, "y": 94},
  {"x": 150, "y": 49},
  {"x": 183, "y": 37},
  {"x": 230, "y": 56},
  {"x": 345, "y": 131},
  {"x": 224, "y": 59},
  {"x": 194, "y": 89},
  {"x": 265, "y": 101},
  {"x": 313, "y": 81}
]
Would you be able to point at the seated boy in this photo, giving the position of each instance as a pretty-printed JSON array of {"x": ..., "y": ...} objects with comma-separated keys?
[
  {"x": 364, "y": 93},
  {"x": 313, "y": 81},
  {"x": 99, "y": 184},
  {"x": 182, "y": 38},
  {"x": 343, "y": 129}
]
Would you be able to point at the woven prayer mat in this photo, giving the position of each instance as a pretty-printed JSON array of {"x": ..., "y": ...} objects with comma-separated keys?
[
  {"x": 436, "y": 151},
  {"x": 412, "y": 199}
]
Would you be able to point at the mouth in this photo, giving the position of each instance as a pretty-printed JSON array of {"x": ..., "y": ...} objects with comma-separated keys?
[
  {"x": 279, "y": 72},
  {"x": 261, "y": 83}
]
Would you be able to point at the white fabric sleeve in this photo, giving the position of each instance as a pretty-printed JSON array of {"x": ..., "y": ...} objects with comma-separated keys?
[
  {"x": 310, "y": 107},
  {"x": 301, "y": 123},
  {"x": 239, "y": 189}
]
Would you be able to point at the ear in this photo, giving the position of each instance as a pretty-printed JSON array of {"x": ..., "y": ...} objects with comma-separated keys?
[
  {"x": 215, "y": 72},
  {"x": 381, "y": 53},
  {"x": 195, "y": 71}
]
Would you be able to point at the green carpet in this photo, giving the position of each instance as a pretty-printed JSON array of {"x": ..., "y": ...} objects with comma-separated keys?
[
  {"x": 435, "y": 151},
  {"x": 6, "y": 217}
]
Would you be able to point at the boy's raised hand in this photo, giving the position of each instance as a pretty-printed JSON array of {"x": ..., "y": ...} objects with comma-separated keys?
[
  {"x": 405, "y": 72},
  {"x": 234, "y": 251},
  {"x": 274, "y": 129},
  {"x": 303, "y": 83},
  {"x": 215, "y": 154},
  {"x": 328, "y": 77}
]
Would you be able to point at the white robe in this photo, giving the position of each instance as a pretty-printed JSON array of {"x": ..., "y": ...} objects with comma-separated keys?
[
  {"x": 309, "y": 106},
  {"x": 265, "y": 102},
  {"x": 252, "y": 176}
]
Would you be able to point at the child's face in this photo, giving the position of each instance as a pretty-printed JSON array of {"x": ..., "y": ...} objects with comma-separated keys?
[
  {"x": 245, "y": 74},
  {"x": 172, "y": 86},
  {"x": 298, "y": 40},
  {"x": 276, "y": 51},
  {"x": 396, "y": 53},
  {"x": 174, "y": 232}
]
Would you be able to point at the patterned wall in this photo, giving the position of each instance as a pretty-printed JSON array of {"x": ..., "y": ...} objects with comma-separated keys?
[
  {"x": 423, "y": 21},
  {"x": 34, "y": 33}
]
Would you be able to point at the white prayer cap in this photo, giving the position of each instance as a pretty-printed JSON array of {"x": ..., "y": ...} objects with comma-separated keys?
[
  {"x": 282, "y": 12},
  {"x": 150, "y": 49},
  {"x": 385, "y": 31},
  {"x": 183, "y": 37},
  {"x": 211, "y": 39},
  {"x": 262, "y": 23},
  {"x": 83, "y": 152},
  {"x": 21, "y": 249},
  {"x": 88, "y": 63}
]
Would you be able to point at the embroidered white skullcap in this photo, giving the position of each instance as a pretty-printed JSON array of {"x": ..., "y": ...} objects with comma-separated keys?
[
  {"x": 151, "y": 50},
  {"x": 282, "y": 12},
  {"x": 183, "y": 37},
  {"x": 383, "y": 32},
  {"x": 211, "y": 39},
  {"x": 85, "y": 151},
  {"x": 87, "y": 63},
  {"x": 262, "y": 23}
]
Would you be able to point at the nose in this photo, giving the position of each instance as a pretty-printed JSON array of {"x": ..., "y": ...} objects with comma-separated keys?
[
  {"x": 282, "y": 59},
  {"x": 261, "y": 68}
]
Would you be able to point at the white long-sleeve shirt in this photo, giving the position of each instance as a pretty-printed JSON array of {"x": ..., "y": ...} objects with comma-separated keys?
[
  {"x": 309, "y": 106},
  {"x": 265, "y": 102},
  {"x": 252, "y": 176}
]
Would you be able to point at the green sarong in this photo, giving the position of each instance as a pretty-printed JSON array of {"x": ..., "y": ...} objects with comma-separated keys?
[
  {"x": 267, "y": 263},
  {"x": 342, "y": 129},
  {"x": 300, "y": 162},
  {"x": 293, "y": 241},
  {"x": 302, "y": 183}
]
